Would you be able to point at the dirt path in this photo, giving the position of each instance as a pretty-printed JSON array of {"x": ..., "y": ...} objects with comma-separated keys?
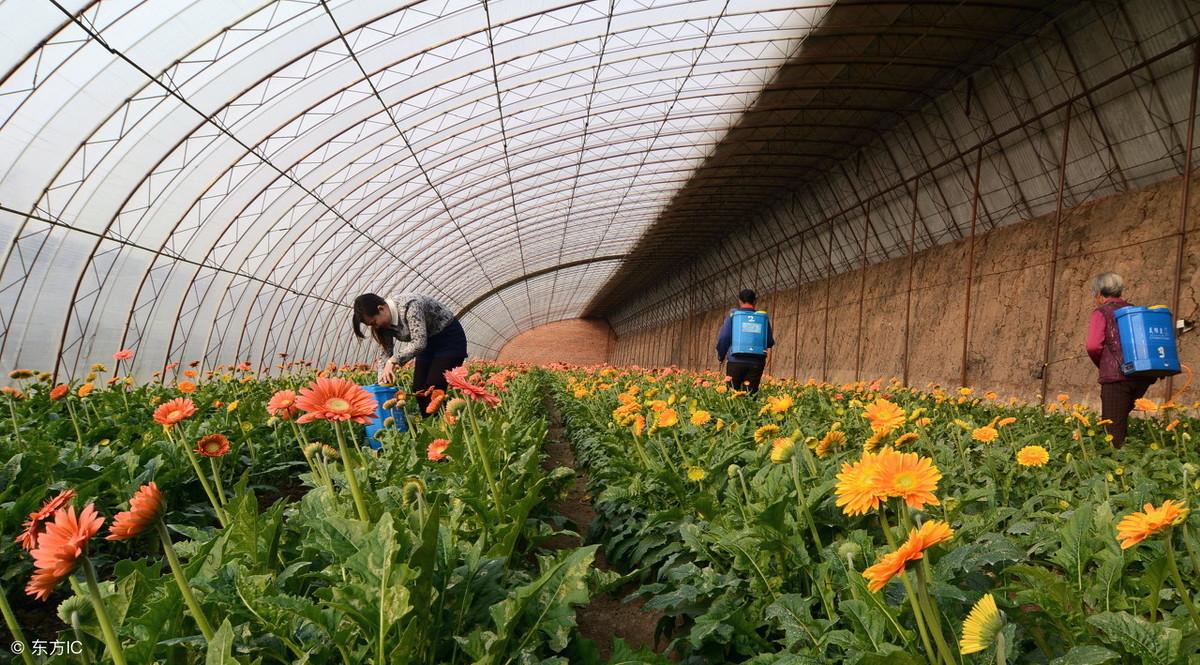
[{"x": 605, "y": 617}]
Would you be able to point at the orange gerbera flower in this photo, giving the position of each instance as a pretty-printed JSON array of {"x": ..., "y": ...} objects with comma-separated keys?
[
  {"x": 985, "y": 434},
  {"x": 33, "y": 526},
  {"x": 144, "y": 508},
  {"x": 213, "y": 445},
  {"x": 186, "y": 387},
  {"x": 884, "y": 416},
  {"x": 1033, "y": 456},
  {"x": 59, "y": 391},
  {"x": 1134, "y": 528},
  {"x": 173, "y": 412},
  {"x": 283, "y": 404},
  {"x": 908, "y": 476},
  {"x": 1147, "y": 405},
  {"x": 59, "y": 548},
  {"x": 457, "y": 379},
  {"x": 857, "y": 489},
  {"x": 437, "y": 450},
  {"x": 920, "y": 539},
  {"x": 336, "y": 400},
  {"x": 86, "y": 389},
  {"x": 435, "y": 401}
]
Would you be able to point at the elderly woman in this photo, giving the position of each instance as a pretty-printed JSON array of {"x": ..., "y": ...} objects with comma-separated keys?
[{"x": 1117, "y": 391}]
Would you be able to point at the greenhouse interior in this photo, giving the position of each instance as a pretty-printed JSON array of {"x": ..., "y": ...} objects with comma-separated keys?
[{"x": 599, "y": 332}]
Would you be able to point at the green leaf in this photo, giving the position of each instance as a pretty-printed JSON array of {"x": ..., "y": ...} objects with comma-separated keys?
[
  {"x": 220, "y": 649},
  {"x": 793, "y": 614},
  {"x": 1153, "y": 643},
  {"x": 1075, "y": 550},
  {"x": 1086, "y": 655}
]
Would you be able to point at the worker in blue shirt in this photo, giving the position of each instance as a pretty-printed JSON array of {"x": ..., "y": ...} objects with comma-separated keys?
[{"x": 746, "y": 356}]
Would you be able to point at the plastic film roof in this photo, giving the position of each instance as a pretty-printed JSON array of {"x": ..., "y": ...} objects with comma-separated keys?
[{"x": 218, "y": 180}]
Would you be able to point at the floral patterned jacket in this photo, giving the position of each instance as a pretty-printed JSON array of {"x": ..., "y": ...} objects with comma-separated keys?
[{"x": 415, "y": 319}]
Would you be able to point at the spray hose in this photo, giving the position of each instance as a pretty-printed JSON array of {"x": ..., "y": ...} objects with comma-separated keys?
[{"x": 1186, "y": 384}]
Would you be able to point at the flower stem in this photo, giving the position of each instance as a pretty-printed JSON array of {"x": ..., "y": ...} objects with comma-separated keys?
[
  {"x": 351, "y": 478},
  {"x": 483, "y": 457},
  {"x": 908, "y": 588},
  {"x": 106, "y": 628},
  {"x": 10, "y": 620},
  {"x": 1183, "y": 592},
  {"x": 75, "y": 422},
  {"x": 803, "y": 505},
  {"x": 212, "y": 462},
  {"x": 12, "y": 409},
  {"x": 182, "y": 582},
  {"x": 204, "y": 483}
]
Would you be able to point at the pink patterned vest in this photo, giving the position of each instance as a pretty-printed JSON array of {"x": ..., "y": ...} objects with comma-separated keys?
[{"x": 1111, "y": 357}]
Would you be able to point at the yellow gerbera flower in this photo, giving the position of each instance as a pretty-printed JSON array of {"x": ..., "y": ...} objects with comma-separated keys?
[
  {"x": 981, "y": 626},
  {"x": 696, "y": 474},
  {"x": 700, "y": 418},
  {"x": 765, "y": 433},
  {"x": 857, "y": 491},
  {"x": 908, "y": 476},
  {"x": 782, "y": 449},
  {"x": 985, "y": 434},
  {"x": 1033, "y": 456},
  {"x": 666, "y": 418},
  {"x": 777, "y": 405},
  {"x": 1147, "y": 405}
]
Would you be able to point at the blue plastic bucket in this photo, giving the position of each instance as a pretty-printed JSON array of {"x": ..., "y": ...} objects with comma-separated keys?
[{"x": 382, "y": 394}]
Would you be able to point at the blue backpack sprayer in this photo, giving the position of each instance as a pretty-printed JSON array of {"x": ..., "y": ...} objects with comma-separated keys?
[
  {"x": 749, "y": 332},
  {"x": 1148, "y": 344}
]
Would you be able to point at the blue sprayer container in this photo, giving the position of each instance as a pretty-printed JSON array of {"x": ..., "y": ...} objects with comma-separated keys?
[
  {"x": 1148, "y": 345},
  {"x": 382, "y": 394},
  {"x": 749, "y": 332}
]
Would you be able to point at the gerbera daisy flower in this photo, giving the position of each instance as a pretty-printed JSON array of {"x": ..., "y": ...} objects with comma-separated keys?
[
  {"x": 186, "y": 387},
  {"x": 696, "y": 474},
  {"x": 172, "y": 412},
  {"x": 436, "y": 451},
  {"x": 777, "y": 405},
  {"x": 86, "y": 389},
  {"x": 700, "y": 418},
  {"x": 857, "y": 490},
  {"x": 21, "y": 374},
  {"x": 765, "y": 433},
  {"x": 1147, "y": 405},
  {"x": 908, "y": 476},
  {"x": 144, "y": 508},
  {"x": 831, "y": 439},
  {"x": 1033, "y": 456},
  {"x": 123, "y": 354},
  {"x": 981, "y": 626},
  {"x": 638, "y": 425},
  {"x": 435, "y": 401},
  {"x": 907, "y": 437},
  {"x": 213, "y": 445},
  {"x": 920, "y": 539},
  {"x": 33, "y": 526},
  {"x": 336, "y": 400},
  {"x": 782, "y": 449},
  {"x": 59, "y": 391},
  {"x": 985, "y": 434},
  {"x": 457, "y": 379},
  {"x": 1134, "y": 528},
  {"x": 283, "y": 404},
  {"x": 666, "y": 418},
  {"x": 883, "y": 415},
  {"x": 59, "y": 548}
]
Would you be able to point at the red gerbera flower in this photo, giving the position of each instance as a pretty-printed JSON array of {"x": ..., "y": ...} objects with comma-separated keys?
[
  {"x": 33, "y": 526},
  {"x": 144, "y": 508},
  {"x": 59, "y": 391},
  {"x": 335, "y": 399},
  {"x": 457, "y": 379},
  {"x": 59, "y": 548},
  {"x": 213, "y": 445},
  {"x": 173, "y": 412}
]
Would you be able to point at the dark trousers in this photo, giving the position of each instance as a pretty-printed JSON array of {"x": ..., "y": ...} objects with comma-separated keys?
[
  {"x": 1116, "y": 401},
  {"x": 431, "y": 372},
  {"x": 744, "y": 375}
]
